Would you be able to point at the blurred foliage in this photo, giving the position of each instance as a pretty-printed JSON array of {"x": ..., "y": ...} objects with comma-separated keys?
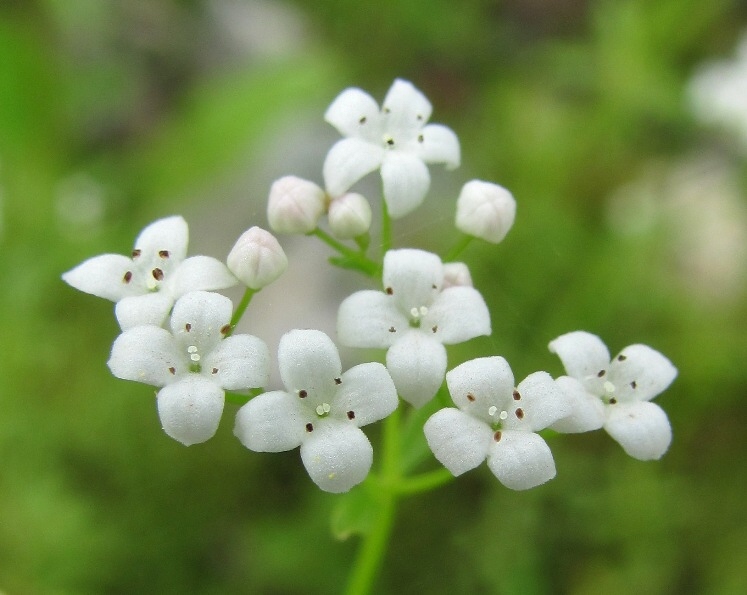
[{"x": 145, "y": 108}]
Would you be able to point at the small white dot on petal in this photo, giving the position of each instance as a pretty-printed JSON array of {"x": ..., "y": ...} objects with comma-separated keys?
[
  {"x": 503, "y": 415},
  {"x": 414, "y": 312},
  {"x": 492, "y": 410},
  {"x": 423, "y": 310},
  {"x": 192, "y": 349},
  {"x": 195, "y": 357},
  {"x": 609, "y": 387}
]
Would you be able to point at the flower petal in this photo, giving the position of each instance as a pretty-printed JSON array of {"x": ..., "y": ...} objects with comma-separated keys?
[
  {"x": 640, "y": 373},
  {"x": 170, "y": 234},
  {"x": 347, "y": 162},
  {"x": 587, "y": 410},
  {"x": 521, "y": 460},
  {"x": 439, "y": 145},
  {"x": 459, "y": 441},
  {"x": 537, "y": 403},
  {"x": 417, "y": 365},
  {"x": 366, "y": 319},
  {"x": 309, "y": 361},
  {"x": 458, "y": 314},
  {"x": 367, "y": 392},
  {"x": 352, "y": 112},
  {"x": 190, "y": 409},
  {"x": 273, "y": 422},
  {"x": 197, "y": 273},
  {"x": 337, "y": 455},
  {"x": 238, "y": 362},
  {"x": 641, "y": 428},
  {"x": 406, "y": 180},
  {"x": 480, "y": 384},
  {"x": 406, "y": 108},
  {"x": 584, "y": 357},
  {"x": 146, "y": 354},
  {"x": 103, "y": 276},
  {"x": 413, "y": 277},
  {"x": 151, "y": 308},
  {"x": 198, "y": 318}
]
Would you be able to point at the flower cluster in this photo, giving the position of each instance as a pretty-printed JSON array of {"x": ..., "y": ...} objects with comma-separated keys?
[{"x": 177, "y": 332}]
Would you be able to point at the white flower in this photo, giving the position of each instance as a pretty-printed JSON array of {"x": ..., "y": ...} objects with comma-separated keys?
[
  {"x": 194, "y": 363},
  {"x": 349, "y": 216},
  {"x": 395, "y": 139},
  {"x": 414, "y": 317},
  {"x": 295, "y": 205},
  {"x": 498, "y": 422},
  {"x": 615, "y": 394},
  {"x": 321, "y": 411},
  {"x": 485, "y": 210},
  {"x": 257, "y": 259},
  {"x": 456, "y": 274},
  {"x": 146, "y": 285}
]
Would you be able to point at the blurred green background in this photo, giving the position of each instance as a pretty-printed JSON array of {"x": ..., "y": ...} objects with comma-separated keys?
[{"x": 631, "y": 224}]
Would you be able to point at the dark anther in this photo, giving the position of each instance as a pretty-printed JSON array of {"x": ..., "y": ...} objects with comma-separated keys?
[
  {"x": 135, "y": 253},
  {"x": 309, "y": 427},
  {"x": 215, "y": 370},
  {"x": 633, "y": 384},
  {"x": 434, "y": 286},
  {"x": 389, "y": 291},
  {"x": 338, "y": 380},
  {"x": 613, "y": 400},
  {"x": 127, "y": 277},
  {"x": 386, "y": 110},
  {"x": 601, "y": 373},
  {"x": 621, "y": 358},
  {"x": 519, "y": 413},
  {"x": 419, "y": 116},
  {"x": 172, "y": 370},
  {"x": 362, "y": 120},
  {"x": 390, "y": 142},
  {"x": 302, "y": 393},
  {"x": 497, "y": 436},
  {"x": 517, "y": 396},
  {"x": 224, "y": 330},
  {"x": 420, "y": 138},
  {"x": 470, "y": 397},
  {"x": 188, "y": 327},
  {"x": 157, "y": 274},
  {"x": 392, "y": 329},
  {"x": 351, "y": 414},
  {"x": 163, "y": 253},
  {"x": 434, "y": 328}
]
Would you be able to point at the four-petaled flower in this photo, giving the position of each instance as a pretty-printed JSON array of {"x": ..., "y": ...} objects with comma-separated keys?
[
  {"x": 498, "y": 422},
  {"x": 615, "y": 394},
  {"x": 413, "y": 317},
  {"x": 395, "y": 139},
  {"x": 146, "y": 285},
  {"x": 194, "y": 363},
  {"x": 321, "y": 410}
]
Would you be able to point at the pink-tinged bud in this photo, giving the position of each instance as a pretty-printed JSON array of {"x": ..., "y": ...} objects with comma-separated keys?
[
  {"x": 295, "y": 205},
  {"x": 257, "y": 259},
  {"x": 456, "y": 274},
  {"x": 485, "y": 210},
  {"x": 349, "y": 216}
]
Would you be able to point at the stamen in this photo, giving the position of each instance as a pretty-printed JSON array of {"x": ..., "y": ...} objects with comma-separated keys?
[
  {"x": 302, "y": 394},
  {"x": 388, "y": 140},
  {"x": 434, "y": 328},
  {"x": 351, "y": 414},
  {"x": 127, "y": 277},
  {"x": 389, "y": 291},
  {"x": 420, "y": 138},
  {"x": 309, "y": 428},
  {"x": 497, "y": 436},
  {"x": 163, "y": 253},
  {"x": 215, "y": 370},
  {"x": 621, "y": 358},
  {"x": 392, "y": 329},
  {"x": 613, "y": 400},
  {"x": 188, "y": 327},
  {"x": 601, "y": 373},
  {"x": 157, "y": 274},
  {"x": 225, "y": 329},
  {"x": 519, "y": 413},
  {"x": 470, "y": 397},
  {"x": 362, "y": 120},
  {"x": 633, "y": 384},
  {"x": 338, "y": 380},
  {"x": 517, "y": 396},
  {"x": 136, "y": 253},
  {"x": 172, "y": 369}
]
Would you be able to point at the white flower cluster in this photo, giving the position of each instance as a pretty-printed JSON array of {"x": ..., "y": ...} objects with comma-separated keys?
[{"x": 177, "y": 334}]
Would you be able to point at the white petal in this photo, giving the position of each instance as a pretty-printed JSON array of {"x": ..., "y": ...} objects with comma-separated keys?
[
  {"x": 367, "y": 392},
  {"x": 458, "y": 314},
  {"x": 459, "y": 441},
  {"x": 587, "y": 410},
  {"x": 198, "y": 318},
  {"x": 103, "y": 276},
  {"x": 413, "y": 277},
  {"x": 273, "y": 422},
  {"x": 151, "y": 308},
  {"x": 406, "y": 108},
  {"x": 352, "y": 112},
  {"x": 485, "y": 210},
  {"x": 309, "y": 360},
  {"x": 640, "y": 373},
  {"x": 406, "y": 181},
  {"x": 337, "y": 455},
  {"x": 199, "y": 273},
  {"x": 170, "y": 234},
  {"x": 347, "y": 162},
  {"x": 439, "y": 145},
  {"x": 641, "y": 428},
  {"x": 521, "y": 460},
  {"x": 238, "y": 362},
  {"x": 146, "y": 354},
  {"x": 584, "y": 357},
  {"x": 190, "y": 409},
  {"x": 365, "y": 319},
  {"x": 541, "y": 402},
  {"x": 482, "y": 387},
  {"x": 417, "y": 365},
  {"x": 456, "y": 274}
]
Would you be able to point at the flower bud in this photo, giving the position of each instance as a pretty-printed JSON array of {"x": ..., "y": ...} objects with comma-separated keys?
[
  {"x": 349, "y": 216},
  {"x": 456, "y": 274},
  {"x": 295, "y": 205},
  {"x": 257, "y": 259},
  {"x": 485, "y": 210}
]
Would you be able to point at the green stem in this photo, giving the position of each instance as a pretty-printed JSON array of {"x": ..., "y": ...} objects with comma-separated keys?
[
  {"x": 241, "y": 308},
  {"x": 367, "y": 265},
  {"x": 458, "y": 248},
  {"x": 424, "y": 482},
  {"x": 386, "y": 230}
]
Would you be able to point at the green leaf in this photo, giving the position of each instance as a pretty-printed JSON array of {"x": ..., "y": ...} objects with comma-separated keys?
[{"x": 356, "y": 511}]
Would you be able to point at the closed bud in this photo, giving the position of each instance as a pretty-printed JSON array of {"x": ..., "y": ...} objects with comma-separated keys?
[
  {"x": 349, "y": 216},
  {"x": 485, "y": 210},
  {"x": 257, "y": 259},
  {"x": 295, "y": 205},
  {"x": 456, "y": 274}
]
